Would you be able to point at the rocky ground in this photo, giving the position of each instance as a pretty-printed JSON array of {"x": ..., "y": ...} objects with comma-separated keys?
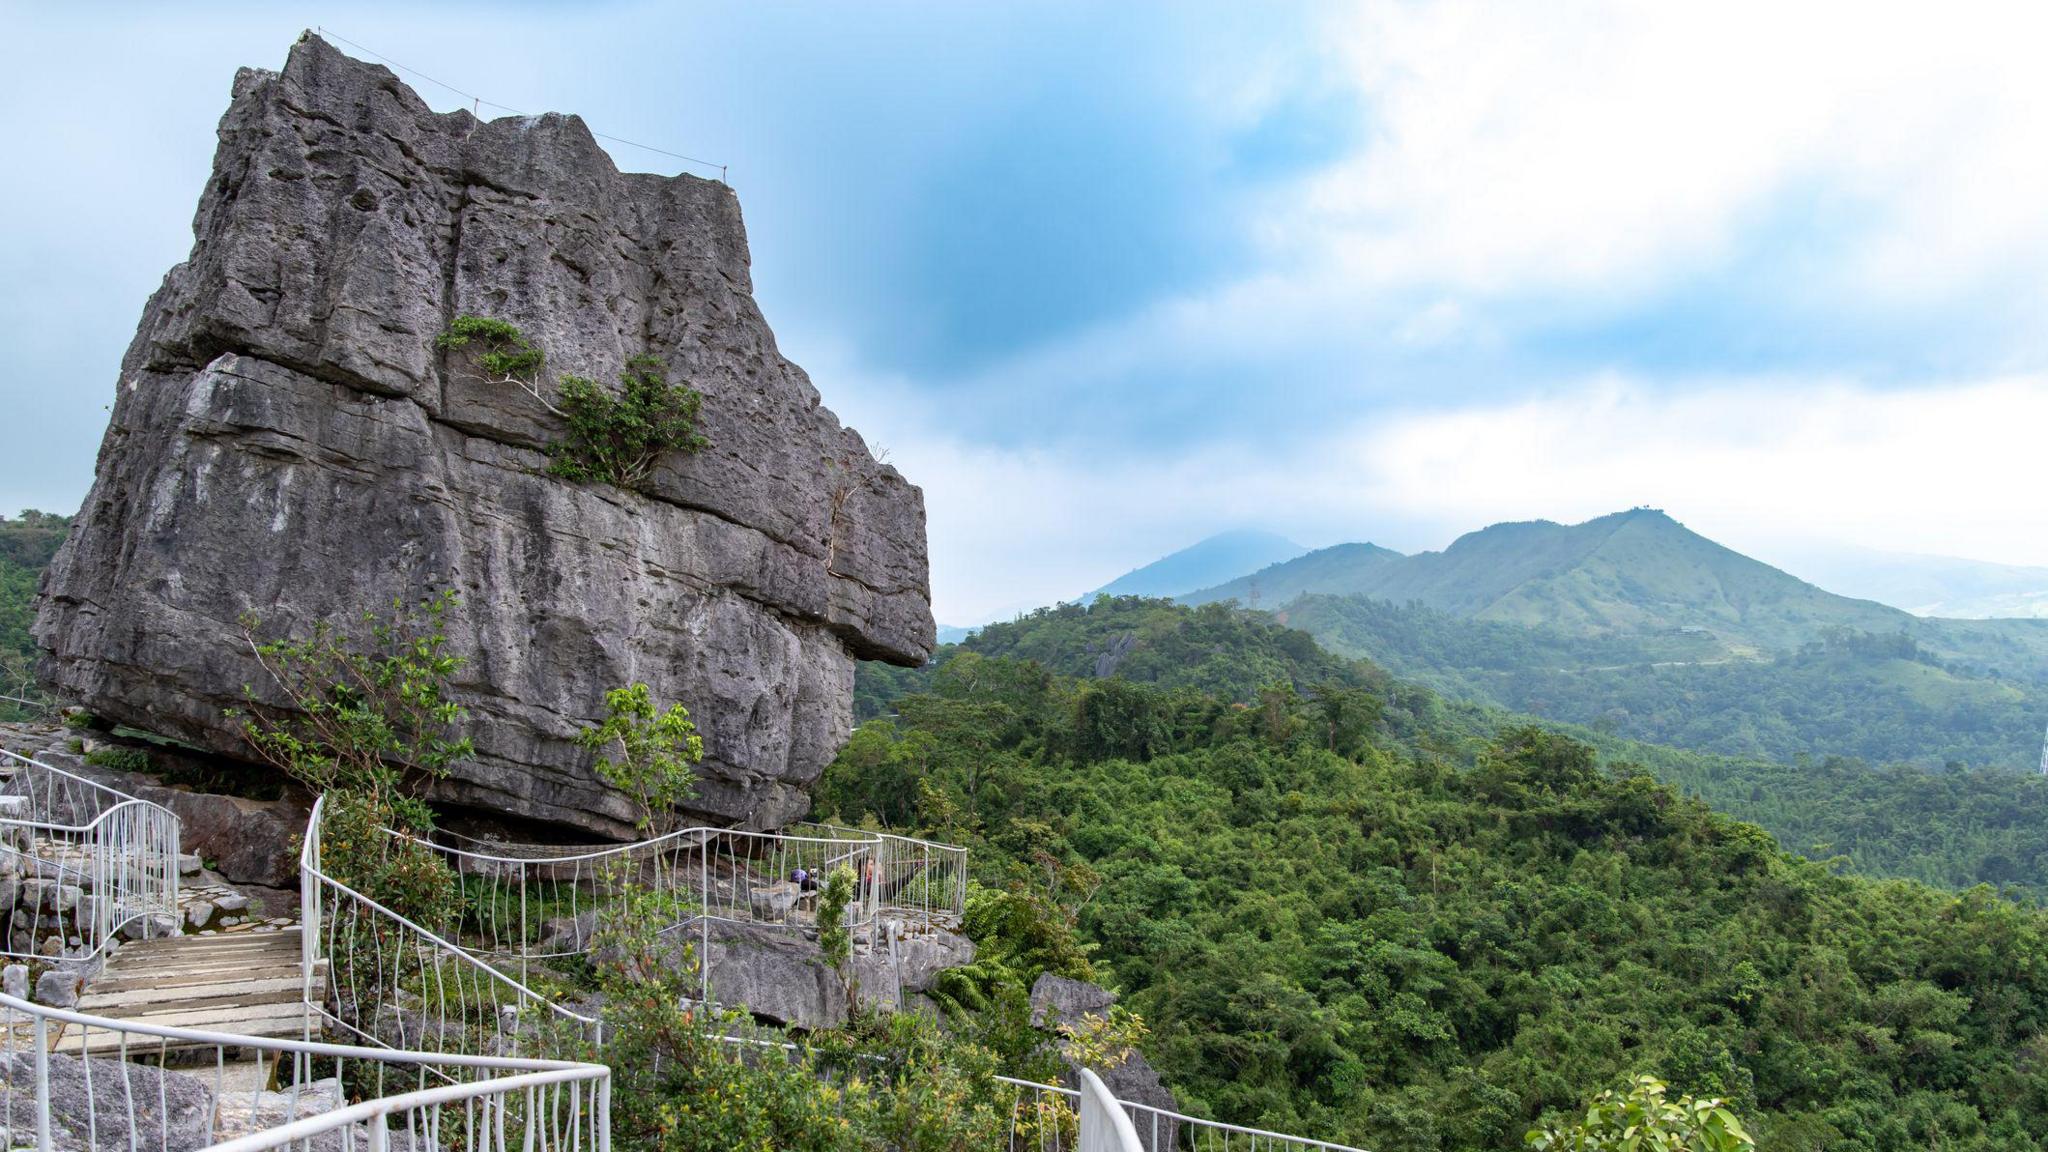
[{"x": 46, "y": 890}]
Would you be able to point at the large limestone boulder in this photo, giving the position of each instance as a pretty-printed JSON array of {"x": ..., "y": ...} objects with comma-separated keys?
[
  {"x": 287, "y": 440},
  {"x": 130, "y": 1105}
]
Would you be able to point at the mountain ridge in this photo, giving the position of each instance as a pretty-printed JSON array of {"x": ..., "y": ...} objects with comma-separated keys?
[
  {"x": 1635, "y": 571},
  {"x": 1210, "y": 560}
]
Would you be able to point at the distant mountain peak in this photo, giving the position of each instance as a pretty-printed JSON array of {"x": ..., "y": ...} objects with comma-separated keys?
[{"x": 1211, "y": 560}]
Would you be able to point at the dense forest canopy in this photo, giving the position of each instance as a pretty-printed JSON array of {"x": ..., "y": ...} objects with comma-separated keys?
[
  {"x": 27, "y": 542},
  {"x": 1341, "y": 914},
  {"x": 1946, "y": 826}
]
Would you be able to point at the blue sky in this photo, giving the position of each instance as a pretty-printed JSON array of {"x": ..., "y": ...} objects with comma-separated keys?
[{"x": 1105, "y": 279}]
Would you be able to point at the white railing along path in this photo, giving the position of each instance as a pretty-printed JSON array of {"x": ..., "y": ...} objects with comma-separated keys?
[
  {"x": 416, "y": 1100},
  {"x": 98, "y": 858}
]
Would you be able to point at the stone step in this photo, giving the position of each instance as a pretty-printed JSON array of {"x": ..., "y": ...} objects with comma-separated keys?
[{"x": 245, "y": 984}]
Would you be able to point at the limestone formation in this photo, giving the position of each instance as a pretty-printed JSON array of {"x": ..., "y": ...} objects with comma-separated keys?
[
  {"x": 288, "y": 441},
  {"x": 106, "y": 1104}
]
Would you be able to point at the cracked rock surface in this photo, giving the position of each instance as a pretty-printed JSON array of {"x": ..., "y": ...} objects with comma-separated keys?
[{"x": 288, "y": 441}]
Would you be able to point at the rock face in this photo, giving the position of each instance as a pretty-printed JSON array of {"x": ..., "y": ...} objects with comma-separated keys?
[
  {"x": 288, "y": 441},
  {"x": 131, "y": 1105},
  {"x": 1056, "y": 999}
]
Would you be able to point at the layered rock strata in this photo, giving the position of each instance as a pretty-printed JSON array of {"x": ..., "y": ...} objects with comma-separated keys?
[{"x": 289, "y": 442}]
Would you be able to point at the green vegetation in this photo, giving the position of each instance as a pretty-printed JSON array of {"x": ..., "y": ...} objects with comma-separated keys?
[
  {"x": 1430, "y": 940},
  {"x": 618, "y": 440},
  {"x": 118, "y": 758},
  {"x": 1950, "y": 829},
  {"x": 500, "y": 350},
  {"x": 894, "y": 1082},
  {"x": 610, "y": 439},
  {"x": 343, "y": 714},
  {"x": 658, "y": 753},
  {"x": 27, "y": 543},
  {"x": 1880, "y": 697},
  {"x": 350, "y": 719},
  {"x": 1642, "y": 1120}
]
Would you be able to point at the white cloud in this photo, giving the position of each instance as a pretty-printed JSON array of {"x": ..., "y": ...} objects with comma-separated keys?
[
  {"x": 1600, "y": 146},
  {"x": 1952, "y": 470},
  {"x": 1758, "y": 464}
]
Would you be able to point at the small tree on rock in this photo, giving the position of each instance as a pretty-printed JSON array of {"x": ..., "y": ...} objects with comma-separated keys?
[{"x": 649, "y": 755}]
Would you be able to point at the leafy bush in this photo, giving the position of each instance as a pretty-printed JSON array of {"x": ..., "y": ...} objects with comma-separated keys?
[
  {"x": 835, "y": 942},
  {"x": 400, "y": 872},
  {"x": 502, "y": 350},
  {"x": 617, "y": 440},
  {"x": 658, "y": 752},
  {"x": 1102, "y": 1042},
  {"x": 614, "y": 439},
  {"x": 1642, "y": 1120},
  {"x": 358, "y": 717},
  {"x": 679, "y": 1083}
]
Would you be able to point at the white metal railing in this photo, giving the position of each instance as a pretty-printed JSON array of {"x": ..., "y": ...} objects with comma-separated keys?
[
  {"x": 159, "y": 1079},
  {"x": 1103, "y": 1126},
  {"x": 1050, "y": 1117},
  {"x": 377, "y": 975},
  {"x": 91, "y": 860},
  {"x": 524, "y": 900},
  {"x": 914, "y": 879}
]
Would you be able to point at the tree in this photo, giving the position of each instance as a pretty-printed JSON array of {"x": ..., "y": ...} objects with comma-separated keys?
[
  {"x": 358, "y": 717},
  {"x": 835, "y": 938},
  {"x": 502, "y": 353},
  {"x": 657, "y": 753},
  {"x": 1346, "y": 716},
  {"x": 1642, "y": 1120},
  {"x": 617, "y": 440}
]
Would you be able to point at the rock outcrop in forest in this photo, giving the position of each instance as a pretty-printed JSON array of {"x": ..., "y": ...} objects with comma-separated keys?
[{"x": 289, "y": 441}]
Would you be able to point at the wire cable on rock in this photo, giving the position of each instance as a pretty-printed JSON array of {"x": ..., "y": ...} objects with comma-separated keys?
[{"x": 477, "y": 102}]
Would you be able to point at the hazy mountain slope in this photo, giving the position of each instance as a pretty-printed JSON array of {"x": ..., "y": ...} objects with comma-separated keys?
[
  {"x": 1881, "y": 697},
  {"x": 1946, "y": 586},
  {"x": 1641, "y": 571},
  {"x": 1221, "y": 557},
  {"x": 1338, "y": 569},
  {"x": 1632, "y": 571}
]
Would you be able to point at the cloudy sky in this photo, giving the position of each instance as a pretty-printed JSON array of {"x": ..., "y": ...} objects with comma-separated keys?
[{"x": 1106, "y": 279}]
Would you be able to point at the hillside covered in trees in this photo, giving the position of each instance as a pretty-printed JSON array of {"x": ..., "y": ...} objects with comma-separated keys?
[
  {"x": 1633, "y": 624},
  {"x": 1342, "y": 910},
  {"x": 27, "y": 542},
  {"x": 1882, "y": 697}
]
